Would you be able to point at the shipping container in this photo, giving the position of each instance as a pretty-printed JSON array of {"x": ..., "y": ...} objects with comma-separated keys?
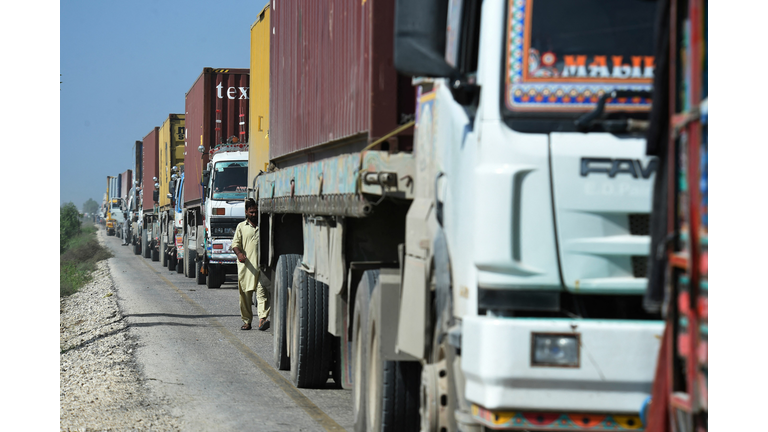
[
  {"x": 126, "y": 182},
  {"x": 332, "y": 77},
  {"x": 258, "y": 146},
  {"x": 149, "y": 168},
  {"x": 170, "y": 150},
  {"x": 216, "y": 108}
]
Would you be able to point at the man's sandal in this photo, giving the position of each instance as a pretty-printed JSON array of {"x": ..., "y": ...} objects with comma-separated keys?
[{"x": 245, "y": 327}]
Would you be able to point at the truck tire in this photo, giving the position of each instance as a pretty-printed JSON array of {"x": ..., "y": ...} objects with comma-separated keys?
[
  {"x": 283, "y": 281},
  {"x": 163, "y": 254},
  {"x": 310, "y": 353},
  {"x": 215, "y": 276},
  {"x": 393, "y": 387},
  {"x": 360, "y": 347},
  {"x": 171, "y": 261},
  {"x": 144, "y": 244},
  {"x": 179, "y": 265},
  {"x": 136, "y": 247},
  {"x": 199, "y": 276},
  {"x": 155, "y": 252}
]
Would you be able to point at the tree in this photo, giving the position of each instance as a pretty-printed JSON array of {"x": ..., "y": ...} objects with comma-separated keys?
[
  {"x": 90, "y": 206},
  {"x": 69, "y": 223}
]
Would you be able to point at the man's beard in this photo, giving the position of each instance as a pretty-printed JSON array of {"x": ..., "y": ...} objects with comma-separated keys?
[{"x": 254, "y": 220}]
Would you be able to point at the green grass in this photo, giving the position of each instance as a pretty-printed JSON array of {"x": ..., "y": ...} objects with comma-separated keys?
[{"x": 79, "y": 258}]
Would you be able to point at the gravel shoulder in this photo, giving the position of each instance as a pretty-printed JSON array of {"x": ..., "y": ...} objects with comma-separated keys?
[{"x": 101, "y": 385}]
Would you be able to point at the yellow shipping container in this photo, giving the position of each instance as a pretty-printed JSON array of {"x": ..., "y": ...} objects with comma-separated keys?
[
  {"x": 258, "y": 147},
  {"x": 171, "y": 153}
]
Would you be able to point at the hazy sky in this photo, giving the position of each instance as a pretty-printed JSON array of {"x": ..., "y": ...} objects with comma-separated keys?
[{"x": 125, "y": 66}]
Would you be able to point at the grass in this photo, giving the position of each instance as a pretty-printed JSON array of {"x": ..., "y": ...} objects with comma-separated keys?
[{"x": 78, "y": 261}]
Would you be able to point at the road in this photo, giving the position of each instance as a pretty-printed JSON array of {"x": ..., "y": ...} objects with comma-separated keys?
[{"x": 215, "y": 376}]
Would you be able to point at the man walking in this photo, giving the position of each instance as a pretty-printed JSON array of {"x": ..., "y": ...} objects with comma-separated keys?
[{"x": 245, "y": 244}]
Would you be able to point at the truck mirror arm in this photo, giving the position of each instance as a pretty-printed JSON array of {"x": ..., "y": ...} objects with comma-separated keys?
[{"x": 584, "y": 123}]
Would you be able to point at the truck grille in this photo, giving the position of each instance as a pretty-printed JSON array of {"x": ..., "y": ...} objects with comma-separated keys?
[{"x": 640, "y": 224}]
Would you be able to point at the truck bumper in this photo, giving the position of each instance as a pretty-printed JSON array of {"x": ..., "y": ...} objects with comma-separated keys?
[{"x": 606, "y": 389}]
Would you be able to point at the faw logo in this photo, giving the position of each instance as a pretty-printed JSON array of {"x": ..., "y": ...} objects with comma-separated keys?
[
  {"x": 614, "y": 167},
  {"x": 232, "y": 92}
]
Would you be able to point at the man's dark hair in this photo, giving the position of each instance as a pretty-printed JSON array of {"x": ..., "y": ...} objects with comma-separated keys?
[{"x": 250, "y": 203}]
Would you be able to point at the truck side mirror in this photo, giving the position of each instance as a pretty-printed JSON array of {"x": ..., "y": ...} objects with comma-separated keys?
[
  {"x": 206, "y": 177},
  {"x": 155, "y": 196},
  {"x": 419, "y": 48}
]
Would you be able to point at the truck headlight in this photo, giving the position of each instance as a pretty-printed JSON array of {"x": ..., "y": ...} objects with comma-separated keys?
[{"x": 551, "y": 349}]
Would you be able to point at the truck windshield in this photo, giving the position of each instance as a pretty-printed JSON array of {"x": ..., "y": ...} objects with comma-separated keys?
[
  {"x": 229, "y": 180},
  {"x": 562, "y": 55}
]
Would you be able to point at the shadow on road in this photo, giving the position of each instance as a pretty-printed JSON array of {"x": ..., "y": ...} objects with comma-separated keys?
[{"x": 177, "y": 315}]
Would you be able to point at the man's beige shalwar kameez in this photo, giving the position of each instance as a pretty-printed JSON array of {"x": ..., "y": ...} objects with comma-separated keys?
[{"x": 247, "y": 240}]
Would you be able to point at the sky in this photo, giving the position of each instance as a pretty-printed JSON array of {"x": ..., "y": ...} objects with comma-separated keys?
[{"x": 125, "y": 66}]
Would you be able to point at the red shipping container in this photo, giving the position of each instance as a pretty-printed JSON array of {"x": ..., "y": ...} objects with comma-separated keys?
[
  {"x": 149, "y": 168},
  {"x": 216, "y": 109},
  {"x": 332, "y": 76}
]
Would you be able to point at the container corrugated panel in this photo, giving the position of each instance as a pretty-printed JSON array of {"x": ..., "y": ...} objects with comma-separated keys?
[
  {"x": 126, "y": 183},
  {"x": 149, "y": 168},
  {"x": 216, "y": 108},
  {"x": 258, "y": 147},
  {"x": 331, "y": 73},
  {"x": 170, "y": 153}
]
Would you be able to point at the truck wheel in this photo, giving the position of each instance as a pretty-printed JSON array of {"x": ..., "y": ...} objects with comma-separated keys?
[
  {"x": 155, "y": 252},
  {"x": 199, "y": 276},
  {"x": 144, "y": 245},
  {"x": 136, "y": 247},
  {"x": 163, "y": 254},
  {"x": 215, "y": 276},
  {"x": 283, "y": 280},
  {"x": 189, "y": 262},
  {"x": 360, "y": 347},
  {"x": 310, "y": 353},
  {"x": 392, "y": 397},
  {"x": 179, "y": 265},
  {"x": 171, "y": 262}
]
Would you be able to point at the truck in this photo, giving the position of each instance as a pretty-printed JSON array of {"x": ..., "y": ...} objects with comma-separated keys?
[
  {"x": 170, "y": 163},
  {"x": 113, "y": 212},
  {"x": 178, "y": 219},
  {"x": 149, "y": 232},
  {"x": 126, "y": 184},
  {"x": 455, "y": 211},
  {"x": 134, "y": 201},
  {"x": 215, "y": 172}
]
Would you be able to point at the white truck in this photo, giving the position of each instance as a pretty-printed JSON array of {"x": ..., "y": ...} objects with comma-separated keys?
[
  {"x": 221, "y": 209},
  {"x": 493, "y": 276}
]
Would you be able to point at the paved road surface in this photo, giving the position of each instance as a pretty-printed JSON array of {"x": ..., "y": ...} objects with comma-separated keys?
[{"x": 216, "y": 376}]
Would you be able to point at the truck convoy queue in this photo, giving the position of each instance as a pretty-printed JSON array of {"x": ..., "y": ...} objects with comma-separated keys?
[{"x": 454, "y": 204}]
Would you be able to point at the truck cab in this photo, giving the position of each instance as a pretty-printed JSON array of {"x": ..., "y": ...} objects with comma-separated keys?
[{"x": 531, "y": 156}]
